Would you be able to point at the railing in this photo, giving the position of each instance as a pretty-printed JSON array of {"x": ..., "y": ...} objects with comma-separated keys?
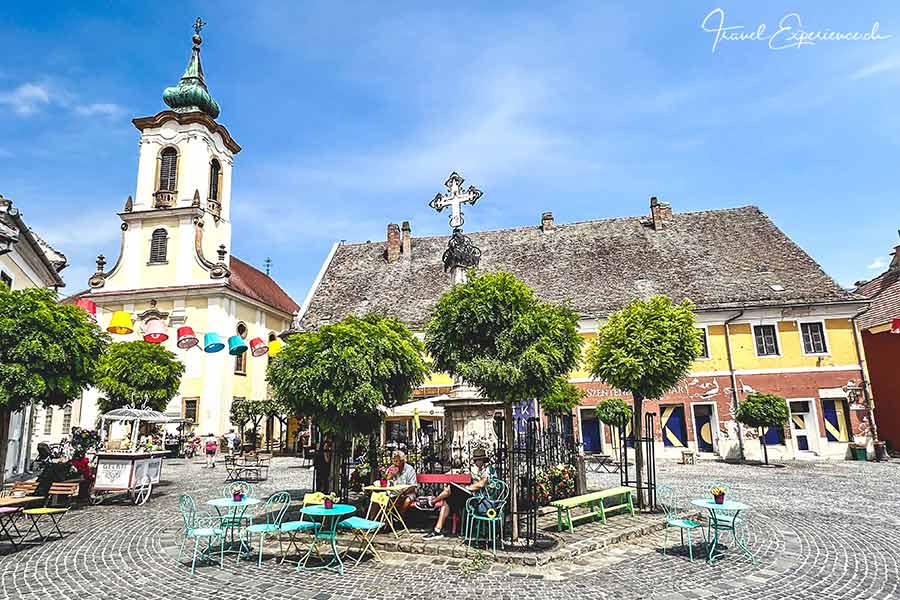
[{"x": 164, "y": 198}]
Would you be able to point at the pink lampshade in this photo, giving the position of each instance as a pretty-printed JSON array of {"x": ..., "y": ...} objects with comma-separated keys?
[
  {"x": 258, "y": 347},
  {"x": 89, "y": 306},
  {"x": 155, "y": 332},
  {"x": 895, "y": 325}
]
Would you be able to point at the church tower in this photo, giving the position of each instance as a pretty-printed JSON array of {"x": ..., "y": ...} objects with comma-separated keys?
[
  {"x": 177, "y": 227},
  {"x": 175, "y": 263}
]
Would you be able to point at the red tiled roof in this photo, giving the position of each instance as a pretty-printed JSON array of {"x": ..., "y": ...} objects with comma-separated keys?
[
  {"x": 255, "y": 284},
  {"x": 884, "y": 291}
]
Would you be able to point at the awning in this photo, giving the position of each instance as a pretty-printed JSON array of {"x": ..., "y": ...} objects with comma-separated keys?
[{"x": 426, "y": 408}]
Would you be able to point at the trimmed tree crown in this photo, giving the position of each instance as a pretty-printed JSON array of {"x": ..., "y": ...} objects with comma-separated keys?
[
  {"x": 48, "y": 351},
  {"x": 343, "y": 372},
  {"x": 762, "y": 410},
  {"x": 495, "y": 334},
  {"x": 646, "y": 347},
  {"x": 612, "y": 410},
  {"x": 138, "y": 374},
  {"x": 562, "y": 398}
]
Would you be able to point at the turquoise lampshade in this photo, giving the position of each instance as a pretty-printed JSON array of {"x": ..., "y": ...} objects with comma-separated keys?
[
  {"x": 236, "y": 345},
  {"x": 212, "y": 342}
]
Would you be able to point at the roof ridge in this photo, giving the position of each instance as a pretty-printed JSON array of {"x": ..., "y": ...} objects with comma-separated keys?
[{"x": 584, "y": 222}]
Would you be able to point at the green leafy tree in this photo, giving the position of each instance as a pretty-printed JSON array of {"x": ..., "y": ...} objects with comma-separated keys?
[
  {"x": 244, "y": 411},
  {"x": 341, "y": 374},
  {"x": 561, "y": 399},
  {"x": 613, "y": 412},
  {"x": 645, "y": 348},
  {"x": 761, "y": 411},
  {"x": 48, "y": 352},
  {"x": 496, "y": 335},
  {"x": 138, "y": 374}
]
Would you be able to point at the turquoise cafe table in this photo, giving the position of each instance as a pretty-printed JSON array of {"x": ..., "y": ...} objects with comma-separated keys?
[
  {"x": 328, "y": 532},
  {"x": 232, "y": 518},
  {"x": 724, "y": 517}
]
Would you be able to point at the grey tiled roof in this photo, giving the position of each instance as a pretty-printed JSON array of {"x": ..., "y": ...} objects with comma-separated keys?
[{"x": 719, "y": 259}]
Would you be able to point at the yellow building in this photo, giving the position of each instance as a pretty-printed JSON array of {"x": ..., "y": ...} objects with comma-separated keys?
[{"x": 174, "y": 262}]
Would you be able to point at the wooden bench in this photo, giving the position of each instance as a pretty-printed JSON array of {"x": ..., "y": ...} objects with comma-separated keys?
[
  {"x": 442, "y": 479},
  {"x": 594, "y": 501}
]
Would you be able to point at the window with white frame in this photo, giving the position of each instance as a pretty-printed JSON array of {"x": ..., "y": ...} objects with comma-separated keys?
[
  {"x": 766, "y": 339},
  {"x": 67, "y": 420},
  {"x": 48, "y": 421},
  {"x": 813, "y": 338},
  {"x": 704, "y": 342}
]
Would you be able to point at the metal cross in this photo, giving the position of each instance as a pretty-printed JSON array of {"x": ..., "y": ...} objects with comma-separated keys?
[
  {"x": 199, "y": 24},
  {"x": 455, "y": 199}
]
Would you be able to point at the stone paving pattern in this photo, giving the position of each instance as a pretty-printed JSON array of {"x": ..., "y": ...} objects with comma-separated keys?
[{"x": 819, "y": 530}]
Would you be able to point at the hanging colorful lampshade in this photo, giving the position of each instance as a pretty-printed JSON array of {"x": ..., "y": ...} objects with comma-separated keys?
[
  {"x": 89, "y": 306},
  {"x": 187, "y": 339},
  {"x": 212, "y": 342},
  {"x": 155, "y": 332},
  {"x": 275, "y": 346},
  {"x": 895, "y": 325},
  {"x": 236, "y": 345},
  {"x": 121, "y": 323},
  {"x": 258, "y": 347}
]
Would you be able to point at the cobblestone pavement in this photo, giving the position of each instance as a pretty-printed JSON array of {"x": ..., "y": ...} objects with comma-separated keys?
[{"x": 824, "y": 531}]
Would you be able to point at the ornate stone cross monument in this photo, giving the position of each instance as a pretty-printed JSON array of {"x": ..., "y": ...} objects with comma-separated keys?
[
  {"x": 455, "y": 199},
  {"x": 461, "y": 253}
]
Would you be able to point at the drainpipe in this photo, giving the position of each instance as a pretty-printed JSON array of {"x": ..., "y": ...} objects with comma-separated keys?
[
  {"x": 734, "y": 391},
  {"x": 863, "y": 368}
]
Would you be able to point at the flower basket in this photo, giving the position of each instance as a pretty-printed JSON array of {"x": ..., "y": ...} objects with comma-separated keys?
[
  {"x": 329, "y": 504},
  {"x": 718, "y": 494}
]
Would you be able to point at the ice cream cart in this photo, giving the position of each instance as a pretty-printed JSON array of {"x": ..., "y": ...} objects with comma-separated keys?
[{"x": 128, "y": 466}]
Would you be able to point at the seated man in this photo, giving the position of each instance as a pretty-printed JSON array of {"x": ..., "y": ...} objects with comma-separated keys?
[
  {"x": 402, "y": 473},
  {"x": 455, "y": 496}
]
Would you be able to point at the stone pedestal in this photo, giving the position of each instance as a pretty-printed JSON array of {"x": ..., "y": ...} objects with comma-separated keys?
[{"x": 469, "y": 417}]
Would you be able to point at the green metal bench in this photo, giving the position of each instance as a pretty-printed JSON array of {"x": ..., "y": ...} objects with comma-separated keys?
[{"x": 594, "y": 502}]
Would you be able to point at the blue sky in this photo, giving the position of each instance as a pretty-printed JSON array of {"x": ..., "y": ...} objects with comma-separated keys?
[{"x": 352, "y": 115}]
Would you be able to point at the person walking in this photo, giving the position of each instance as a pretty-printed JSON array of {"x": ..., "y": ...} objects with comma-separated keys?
[{"x": 212, "y": 446}]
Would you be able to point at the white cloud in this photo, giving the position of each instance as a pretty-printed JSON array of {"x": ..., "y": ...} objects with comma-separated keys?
[
  {"x": 27, "y": 99},
  {"x": 878, "y": 263},
  {"x": 104, "y": 109},
  {"x": 883, "y": 66}
]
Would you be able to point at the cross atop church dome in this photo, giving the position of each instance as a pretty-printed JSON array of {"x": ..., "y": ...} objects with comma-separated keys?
[{"x": 191, "y": 93}]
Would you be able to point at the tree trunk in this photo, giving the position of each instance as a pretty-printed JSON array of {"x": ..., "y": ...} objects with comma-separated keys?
[
  {"x": 4, "y": 441},
  {"x": 762, "y": 442},
  {"x": 637, "y": 428},
  {"x": 337, "y": 450},
  {"x": 510, "y": 433}
]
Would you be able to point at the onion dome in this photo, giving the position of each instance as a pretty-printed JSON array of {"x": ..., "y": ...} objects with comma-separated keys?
[{"x": 191, "y": 93}]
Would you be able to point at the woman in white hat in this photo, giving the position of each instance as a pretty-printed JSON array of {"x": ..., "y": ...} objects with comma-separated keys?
[{"x": 454, "y": 496}]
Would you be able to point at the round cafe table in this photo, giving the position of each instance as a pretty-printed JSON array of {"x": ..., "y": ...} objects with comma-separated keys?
[
  {"x": 724, "y": 517},
  {"x": 231, "y": 520},
  {"x": 326, "y": 533}
]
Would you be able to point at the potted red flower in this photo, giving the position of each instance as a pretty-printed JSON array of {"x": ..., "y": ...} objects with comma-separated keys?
[{"x": 329, "y": 502}]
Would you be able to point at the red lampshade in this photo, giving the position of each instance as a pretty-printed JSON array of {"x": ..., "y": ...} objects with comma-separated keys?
[
  {"x": 258, "y": 347},
  {"x": 895, "y": 325},
  {"x": 187, "y": 339},
  {"x": 155, "y": 332},
  {"x": 89, "y": 306}
]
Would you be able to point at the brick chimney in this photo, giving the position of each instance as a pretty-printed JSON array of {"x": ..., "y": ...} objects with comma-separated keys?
[
  {"x": 393, "y": 242},
  {"x": 406, "y": 241},
  {"x": 660, "y": 212},
  {"x": 547, "y": 221}
]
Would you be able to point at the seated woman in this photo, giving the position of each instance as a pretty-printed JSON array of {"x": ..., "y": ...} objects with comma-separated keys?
[{"x": 454, "y": 496}]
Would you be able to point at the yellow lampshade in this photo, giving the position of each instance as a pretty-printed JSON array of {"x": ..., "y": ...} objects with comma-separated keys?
[
  {"x": 275, "y": 347},
  {"x": 121, "y": 323}
]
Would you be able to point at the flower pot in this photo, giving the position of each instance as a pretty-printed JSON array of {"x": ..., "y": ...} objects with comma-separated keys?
[
  {"x": 329, "y": 504},
  {"x": 383, "y": 483},
  {"x": 237, "y": 497},
  {"x": 720, "y": 499}
]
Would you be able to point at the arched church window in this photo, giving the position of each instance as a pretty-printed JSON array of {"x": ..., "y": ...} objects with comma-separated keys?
[
  {"x": 168, "y": 170},
  {"x": 240, "y": 361},
  {"x": 215, "y": 175},
  {"x": 158, "y": 245}
]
